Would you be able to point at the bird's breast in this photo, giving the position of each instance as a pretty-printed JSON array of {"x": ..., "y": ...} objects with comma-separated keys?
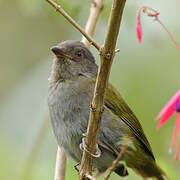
[{"x": 69, "y": 111}]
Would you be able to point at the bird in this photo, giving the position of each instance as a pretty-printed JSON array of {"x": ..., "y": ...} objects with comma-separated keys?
[{"x": 70, "y": 91}]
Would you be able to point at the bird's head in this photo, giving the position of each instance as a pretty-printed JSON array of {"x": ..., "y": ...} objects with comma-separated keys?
[{"x": 72, "y": 60}]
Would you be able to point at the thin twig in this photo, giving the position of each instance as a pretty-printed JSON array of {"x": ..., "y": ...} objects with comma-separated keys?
[
  {"x": 169, "y": 34},
  {"x": 74, "y": 23},
  {"x": 95, "y": 10},
  {"x": 60, "y": 169},
  {"x": 106, "y": 59},
  {"x": 116, "y": 162}
]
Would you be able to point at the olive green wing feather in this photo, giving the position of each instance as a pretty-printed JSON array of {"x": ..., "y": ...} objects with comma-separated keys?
[{"x": 118, "y": 106}]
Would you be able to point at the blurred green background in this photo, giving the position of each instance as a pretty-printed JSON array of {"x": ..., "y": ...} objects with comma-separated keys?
[{"x": 147, "y": 75}]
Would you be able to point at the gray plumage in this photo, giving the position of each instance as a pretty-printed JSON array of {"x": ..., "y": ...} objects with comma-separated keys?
[{"x": 71, "y": 86}]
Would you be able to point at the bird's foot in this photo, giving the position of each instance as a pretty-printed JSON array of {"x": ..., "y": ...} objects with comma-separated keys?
[
  {"x": 76, "y": 167},
  {"x": 90, "y": 177},
  {"x": 83, "y": 147}
]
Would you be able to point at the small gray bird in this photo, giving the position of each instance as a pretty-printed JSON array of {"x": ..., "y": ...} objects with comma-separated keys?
[{"x": 71, "y": 86}]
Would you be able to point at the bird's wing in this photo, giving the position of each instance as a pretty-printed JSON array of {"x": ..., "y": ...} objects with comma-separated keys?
[{"x": 118, "y": 106}]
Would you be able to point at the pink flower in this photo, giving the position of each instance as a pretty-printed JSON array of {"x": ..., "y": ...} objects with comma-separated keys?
[
  {"x": 148, "y": 11},
  {"x": 173, "y": 106},
  {"x": 138, "y": 25}
]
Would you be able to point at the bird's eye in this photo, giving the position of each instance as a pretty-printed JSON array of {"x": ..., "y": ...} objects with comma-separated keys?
[{"x": 79, "y": 54}]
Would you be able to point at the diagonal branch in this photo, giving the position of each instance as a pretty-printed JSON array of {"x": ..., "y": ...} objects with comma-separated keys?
[
  {"x": 116, "y": 162},
  {"x": 95, "y": 10},
  {"x": 106, "y": 59},
  {"x": 74, "y": 23}
]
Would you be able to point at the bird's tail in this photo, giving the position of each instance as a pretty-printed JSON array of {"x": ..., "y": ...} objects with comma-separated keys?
[
  {"x": 154, "y": 172},
  {"x": 146, "y": 167},
  {"x": 161, "y": 175}
]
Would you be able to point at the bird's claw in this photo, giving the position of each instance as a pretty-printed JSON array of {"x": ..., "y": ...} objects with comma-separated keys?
[
  {"x": 76, "y": 167},
  {"x": 83, "y": 147},
  {"x": 90, "y": 177}
]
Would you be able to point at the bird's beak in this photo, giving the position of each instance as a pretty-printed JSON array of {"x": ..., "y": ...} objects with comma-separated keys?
[{"x": 59, "y": 52}]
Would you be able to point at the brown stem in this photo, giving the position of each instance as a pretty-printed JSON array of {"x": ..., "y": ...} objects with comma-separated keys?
[
  {"x": 74, "y": 23},
  {"x": 106, "y": 58},
  {"x": 115, "y": 162},
  {"x": 95, "y": 10}
]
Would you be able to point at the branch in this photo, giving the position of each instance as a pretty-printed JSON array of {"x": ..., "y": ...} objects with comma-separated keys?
[
  {"x": 116, "y": 162},
  {"x": 74, "y": 23},
  {"x": 97, "y": 106},
  {"x": 60, "y": 164},
  {"x": 95, "y": 10}
]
